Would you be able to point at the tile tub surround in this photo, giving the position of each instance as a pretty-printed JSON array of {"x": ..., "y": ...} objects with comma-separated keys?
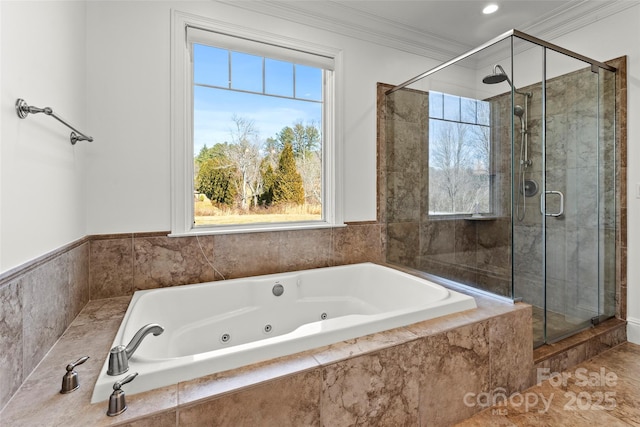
[
  {"x": 39, "y": 299},
  {"x": 415, "y": 375},
  {"x": 124, "y": 263}
]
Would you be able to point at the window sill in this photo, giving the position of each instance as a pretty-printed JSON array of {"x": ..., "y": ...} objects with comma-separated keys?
[{"x": 262, "y": 228}]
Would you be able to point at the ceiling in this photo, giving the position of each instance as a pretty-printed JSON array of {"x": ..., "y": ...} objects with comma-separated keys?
[
  {"x": 461, "y": 21},
  {"x": 440, "y": 29}
]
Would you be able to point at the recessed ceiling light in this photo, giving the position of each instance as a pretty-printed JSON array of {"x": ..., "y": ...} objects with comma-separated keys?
[{"x": 490, "y": 9}]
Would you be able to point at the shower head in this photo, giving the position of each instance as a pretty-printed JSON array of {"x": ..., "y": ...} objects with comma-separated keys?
[
  {"x": 498, "y": 76},
  {"x": 494, "y": 79},
  {"x": 518, "y": 110}
]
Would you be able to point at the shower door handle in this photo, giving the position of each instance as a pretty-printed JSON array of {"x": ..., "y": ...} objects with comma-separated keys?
[{"x": 543, "y": 202}]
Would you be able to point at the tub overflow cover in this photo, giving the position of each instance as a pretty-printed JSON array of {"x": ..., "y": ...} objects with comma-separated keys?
[{"x": 278, "y": 289}]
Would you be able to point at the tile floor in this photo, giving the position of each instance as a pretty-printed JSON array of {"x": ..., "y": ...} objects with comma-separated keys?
[{"x": 603, "y": 391}]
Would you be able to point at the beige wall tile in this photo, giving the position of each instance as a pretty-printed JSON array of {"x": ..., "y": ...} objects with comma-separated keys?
[
  {"x": 111, "y": 267},
  {"x": 171, "y": 261},
  {"x": 454, "y": 363},
  {"x": 45, "y": 304},
  {"x": 168, "y": 419},
  {"x": 11, "y": 340},
  {"x": 304, "y": 249},
  {"x": 357, "y": 243},
  {"x": 291, "y": 401},
  {"x": 79, "y": 290},
  {"x": 250, "y": 254},
  {"x": 403, "y": 243},
  {"x": 377, "y": 389},
  {"x": 511, "y": 351}
]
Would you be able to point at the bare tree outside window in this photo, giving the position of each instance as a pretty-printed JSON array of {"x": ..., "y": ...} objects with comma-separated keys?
[
  {"x": 244, "y": 153},
  {"x": 459, "y": 155}
]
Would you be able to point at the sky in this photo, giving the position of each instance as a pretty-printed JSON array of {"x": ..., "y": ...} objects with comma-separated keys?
[{"x": 214, "y": 105}]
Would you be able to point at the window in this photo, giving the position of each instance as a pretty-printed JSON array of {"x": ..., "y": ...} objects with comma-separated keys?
[
  {"x": 459, "y": 155},
  {"x": 255, "y": 131}
]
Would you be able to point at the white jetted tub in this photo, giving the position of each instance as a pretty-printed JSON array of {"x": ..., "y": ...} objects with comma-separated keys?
[{"x": 217, "y": 326}]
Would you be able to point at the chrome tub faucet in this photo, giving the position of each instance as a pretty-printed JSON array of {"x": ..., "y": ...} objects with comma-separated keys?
[{"x": 119, "y": 355}]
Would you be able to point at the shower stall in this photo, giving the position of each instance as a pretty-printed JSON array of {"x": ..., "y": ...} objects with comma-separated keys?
[{"x": 500, "y": 173}]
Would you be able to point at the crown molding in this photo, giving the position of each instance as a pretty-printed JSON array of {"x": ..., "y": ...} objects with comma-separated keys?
[
  {"x": 339, "y": 18},
  {"x": 577, "y": 16},
  {"x": 357, "y": 24}
]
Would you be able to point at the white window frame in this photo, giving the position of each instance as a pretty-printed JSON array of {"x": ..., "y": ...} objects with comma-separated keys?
[{"x": 182, "y": 154}]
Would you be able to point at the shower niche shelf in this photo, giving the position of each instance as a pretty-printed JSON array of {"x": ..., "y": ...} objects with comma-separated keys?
[{"x": 481, "y": 218}]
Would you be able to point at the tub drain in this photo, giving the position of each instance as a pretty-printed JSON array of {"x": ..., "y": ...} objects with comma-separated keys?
[
  {"x": 323, "y": 316},
  {"x": 225, "y": 338},
  {"x": 267, "y": 328}
]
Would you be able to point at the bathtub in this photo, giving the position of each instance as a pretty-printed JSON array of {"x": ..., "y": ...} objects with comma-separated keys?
[{"x": 222, "y": 325}]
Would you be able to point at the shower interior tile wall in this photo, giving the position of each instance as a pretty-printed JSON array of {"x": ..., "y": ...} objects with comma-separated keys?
[
  {"x": 572, "y": 160},
  {"x": 470, "y": 252}
]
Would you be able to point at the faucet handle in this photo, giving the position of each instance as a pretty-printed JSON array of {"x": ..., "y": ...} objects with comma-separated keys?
[
  {"x": 70, "y": 379},
  {"x": 72, "y": 366},
  {"x": 126, "y": 380},
  {"x": 117, "y": 402}
]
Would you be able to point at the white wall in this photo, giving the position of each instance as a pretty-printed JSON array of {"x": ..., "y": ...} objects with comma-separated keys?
[
  {"x": 1, "y": 120},
  {"x": 128, "y": 93},
  {"x": 41, "y": 174}
]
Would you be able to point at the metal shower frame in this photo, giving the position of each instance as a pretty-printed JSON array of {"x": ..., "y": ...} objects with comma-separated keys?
[
  {"x": 595, "y": 66},
  {"x": 510, "y": 33}
]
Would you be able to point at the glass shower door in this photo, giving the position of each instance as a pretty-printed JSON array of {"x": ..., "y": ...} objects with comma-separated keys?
[
  {"x": 564, "y": 209},
  {"x": 570, "y": 200}
]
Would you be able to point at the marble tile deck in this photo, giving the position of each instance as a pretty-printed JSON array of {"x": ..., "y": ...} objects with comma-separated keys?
[{"x": 602, "y": 391}]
